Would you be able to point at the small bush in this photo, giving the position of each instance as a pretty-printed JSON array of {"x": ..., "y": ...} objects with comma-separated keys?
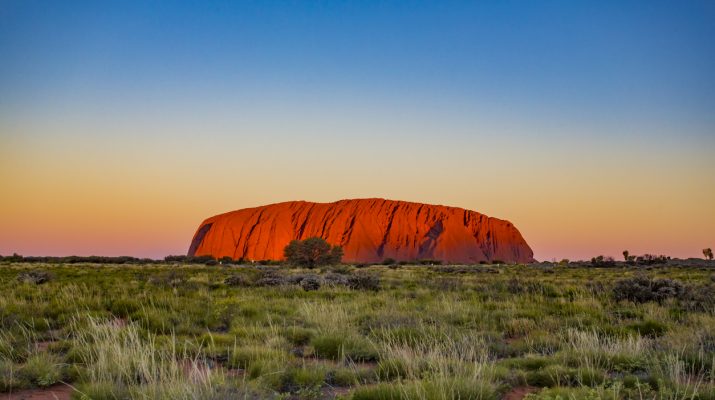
[
  {"x": 699, "y": 298},
  {"x": 382, "y": 391},
  {"x": 649, "y": 328},
  {"x": 242, "y": 357},
  {"x": 312, "y": 252},
  {"x": 336, "y": 346},
  {"x": 310, "y": 283},
  {"x": 123, "y": 307},
  {"x": 364, "y": 281},
  {"x": 641, "y": 289},
  {"x": 342, "y": 377},
  {"x": 298, "y": 336},
  {"x": 36, "y": 277},
  {"x": 388, "y": 370},
  {"x": 42, "y": 369},
  {"x": 236, "y": 280},
  {"x": 603, "y": 262},
  {"x": 333, "y": 279},
  {"x": 271, "y": 279},
  {"x": 553, "y": 375},
  {"x": 9, "y": 377}
]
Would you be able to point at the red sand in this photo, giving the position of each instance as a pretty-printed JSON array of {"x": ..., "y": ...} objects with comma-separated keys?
[
  {"x": 369, "y": 230},
  {"x": 57, "y": 392}
]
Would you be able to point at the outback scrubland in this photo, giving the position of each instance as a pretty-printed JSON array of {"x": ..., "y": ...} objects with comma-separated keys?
[{"x": 398, "y": 332}]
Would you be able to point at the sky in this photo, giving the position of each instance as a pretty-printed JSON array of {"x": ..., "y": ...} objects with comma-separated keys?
[{"x": 588, "y": 124}]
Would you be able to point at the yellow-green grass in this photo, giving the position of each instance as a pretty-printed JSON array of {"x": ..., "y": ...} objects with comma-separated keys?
[{"x": 473, "y": 332}]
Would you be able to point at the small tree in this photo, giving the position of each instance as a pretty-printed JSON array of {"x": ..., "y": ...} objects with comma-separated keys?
[
  {"x": 708, "y": 253},
  {"x": 312, "y": 252},
  {"x": 625, "y": 255}
]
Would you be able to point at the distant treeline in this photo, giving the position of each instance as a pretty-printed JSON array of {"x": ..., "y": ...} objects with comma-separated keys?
[
  {"x": 173, "y": 259},
  {"x": 182, "y": 259},
  {"x": 79, "y": 259},
  {"x": 600, "y": 261}
]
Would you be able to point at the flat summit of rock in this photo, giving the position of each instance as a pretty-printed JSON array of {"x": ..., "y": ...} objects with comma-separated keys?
[{"x": 369, "y": 230}]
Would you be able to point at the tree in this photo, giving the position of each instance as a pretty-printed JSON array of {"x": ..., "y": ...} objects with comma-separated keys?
[
  {"x": 625, "y": 255},
  {"x": 312, "y": 252},
  {"x": 708, "y": 253}
]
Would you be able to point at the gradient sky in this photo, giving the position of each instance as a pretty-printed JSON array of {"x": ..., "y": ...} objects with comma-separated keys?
[{"x": 589, "y": 124}]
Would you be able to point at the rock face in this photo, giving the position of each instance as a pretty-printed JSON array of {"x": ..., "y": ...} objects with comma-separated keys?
[{"x": 369, "y": 230}]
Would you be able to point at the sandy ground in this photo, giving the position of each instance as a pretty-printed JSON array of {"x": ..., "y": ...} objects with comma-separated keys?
[
  {"x": 519, "y": 393},
  {"x": 57, "y": 392}
]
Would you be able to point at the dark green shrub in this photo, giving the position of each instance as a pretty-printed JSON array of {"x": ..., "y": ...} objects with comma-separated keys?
[
  {"x": 312, "y": 252},
  {"x": 298, "y": 336},
  {"x": 553, "y": 375},
  {"x": 649, "y": 328},
  {"x": 123, "y": 307},
  {"x": 335, "y": 346},
  {"x": 35, "y": 277},
  {"x": 699, "y": 298},
  {"x": 342, "y": 377},
  {"x": 310, "y": 283},
  {"x": 641, "y": 289},
  {"x": 603, "y": 262},
  {"x": 589, "y": 377},
  {"x": 392, "y": 369},
  {"x": 270, "y": 278},
  {"x": 42, "y": 369},
  {"x": 335, "y": 279},
  {"x": 236, "y": 280},
  {"x": 364, "y": 281},
  {"x": 10, "y": 379}
]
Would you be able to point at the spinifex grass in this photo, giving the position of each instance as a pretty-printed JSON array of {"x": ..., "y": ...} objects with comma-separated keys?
[{"x": 451, "y": 332}]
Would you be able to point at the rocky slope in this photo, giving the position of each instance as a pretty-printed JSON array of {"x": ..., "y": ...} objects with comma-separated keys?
[{"x": 369, "y": 230}]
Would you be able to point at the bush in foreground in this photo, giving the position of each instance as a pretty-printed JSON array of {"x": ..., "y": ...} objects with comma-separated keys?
[
  {"x": 641, "y": 289},
  {"x": 312, "y": 252}
]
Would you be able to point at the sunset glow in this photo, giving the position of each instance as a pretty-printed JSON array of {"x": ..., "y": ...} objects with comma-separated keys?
[{"x": 120, "y": 138}]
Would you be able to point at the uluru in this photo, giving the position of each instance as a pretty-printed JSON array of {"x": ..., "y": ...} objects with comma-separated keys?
[{"x": 369, "y": 230}]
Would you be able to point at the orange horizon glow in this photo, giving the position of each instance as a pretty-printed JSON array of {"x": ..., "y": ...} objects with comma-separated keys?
[{"x": 589, "y": 126}]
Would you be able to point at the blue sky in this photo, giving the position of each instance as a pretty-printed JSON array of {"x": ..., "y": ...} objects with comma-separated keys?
[{"x": 501, "y": 97}]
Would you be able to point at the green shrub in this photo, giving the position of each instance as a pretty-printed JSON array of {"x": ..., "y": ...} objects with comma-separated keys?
[
  {"x": 388, "y": 370},
  {"x": 437, "y": 389},
  {"x": 236, "y": 280},
  {"x": 308, "y": 377},
  {"x": 364, "y": 281},
  {"x": 342, "y": 377},
  {"x": 589, "y": 377},
  {"x": 35, "y": 277},
  {"x": 298, "y": 336},
  {"x": 123, "y": 307},
  {"x": 553, "y": 375},
  {"x": 626, "y": 363},
  {"x": 649, "y": 328},
  {"x": 242, "y": 357},
  {"x": 336, "y": 346},
  {"x": 10, "y": 379},
  {"x": 312, "y": 252},
  {"x": 42, "y": 369},
  {"x": 282, "y": 378},
  {"x": 641, "y": 289}
]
